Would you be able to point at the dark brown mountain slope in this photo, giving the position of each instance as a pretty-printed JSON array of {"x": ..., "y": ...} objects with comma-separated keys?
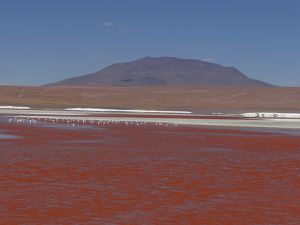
[{"x": 163, "y": 71}]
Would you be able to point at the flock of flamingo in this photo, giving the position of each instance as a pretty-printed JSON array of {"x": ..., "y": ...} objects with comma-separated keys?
[{"x": 82, "y": 122}]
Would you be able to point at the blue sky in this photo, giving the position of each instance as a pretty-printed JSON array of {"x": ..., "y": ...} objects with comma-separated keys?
[{"x": 43, "y": 41}]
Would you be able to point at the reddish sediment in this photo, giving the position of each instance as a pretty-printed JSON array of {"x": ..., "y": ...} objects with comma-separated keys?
[{"x": 148, "y": 175}]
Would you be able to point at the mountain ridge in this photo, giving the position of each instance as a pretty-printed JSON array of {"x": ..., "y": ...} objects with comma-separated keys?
[{"x": 169, "y": 71}]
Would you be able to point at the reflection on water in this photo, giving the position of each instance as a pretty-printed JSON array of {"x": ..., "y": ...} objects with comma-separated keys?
[{"x": 7, "y": 136}]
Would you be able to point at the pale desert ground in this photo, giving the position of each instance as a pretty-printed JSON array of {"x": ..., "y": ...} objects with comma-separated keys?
[{"x": 201, "y": 99}]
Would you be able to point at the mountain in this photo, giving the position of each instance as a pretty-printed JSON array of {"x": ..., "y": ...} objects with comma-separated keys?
[{"x": 163, "y": 71}]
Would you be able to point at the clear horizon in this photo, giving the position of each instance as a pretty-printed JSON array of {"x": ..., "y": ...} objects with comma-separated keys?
[{"x": 46, "y": 41}]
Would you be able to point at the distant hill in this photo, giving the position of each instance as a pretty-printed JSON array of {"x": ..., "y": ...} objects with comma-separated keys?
[{"x": 163, "y": 71}]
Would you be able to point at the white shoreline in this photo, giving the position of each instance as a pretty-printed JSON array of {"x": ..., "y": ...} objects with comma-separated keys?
[
  {"x": 14, "y": 107},
  {"x": 126, "y": 110},
  {"x": 271, "y": 115}
]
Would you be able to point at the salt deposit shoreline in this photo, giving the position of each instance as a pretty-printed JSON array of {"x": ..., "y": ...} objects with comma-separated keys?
[
  {"x": 15, "y": 107},
  {"x": 126, "y": 110},
  {"x": 271, "y": 115}
]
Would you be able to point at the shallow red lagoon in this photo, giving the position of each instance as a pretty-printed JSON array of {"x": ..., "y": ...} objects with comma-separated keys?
[{"x": 148, "y": 175}]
